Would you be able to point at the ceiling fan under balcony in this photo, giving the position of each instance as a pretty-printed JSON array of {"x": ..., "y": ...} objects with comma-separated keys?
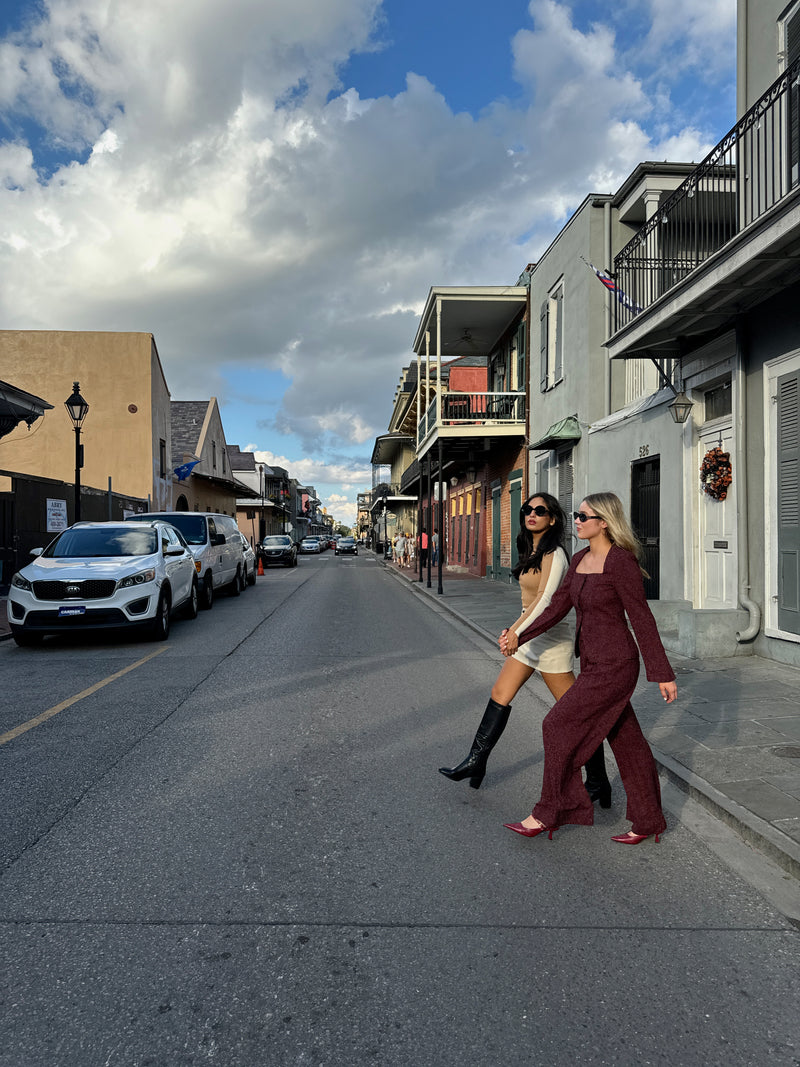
[{"x": 465, "y": 340}]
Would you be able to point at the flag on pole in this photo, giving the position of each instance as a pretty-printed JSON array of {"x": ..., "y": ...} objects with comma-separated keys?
[
  {"x": 185, "y": 469},
  {"x": 612, "y": 287}
]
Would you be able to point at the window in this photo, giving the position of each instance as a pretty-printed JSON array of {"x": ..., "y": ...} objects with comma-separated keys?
[
  {"x": 551, "y": 321},
  {"x": 162, "y": 458},
  {"x": 718, "y": 401},
  {"x": 214, "y": 455}
]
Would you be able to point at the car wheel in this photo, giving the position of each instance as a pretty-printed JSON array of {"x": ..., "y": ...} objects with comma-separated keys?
[
  {"x": 207, "y": 598},
  {"x": 251, "y": 580},
  {"x": 193, "y": 601},
  {"x": 25, "y": 639},
  {"x": 235, "y": 588},
  {"x": 159, "y": 628}
]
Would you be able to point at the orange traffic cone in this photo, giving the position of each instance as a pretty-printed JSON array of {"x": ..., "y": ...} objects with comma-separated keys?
[{"x": 260, "y": 567}]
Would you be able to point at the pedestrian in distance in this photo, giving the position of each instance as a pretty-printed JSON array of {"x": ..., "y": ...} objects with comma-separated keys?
[
  {"x": 399, "y": 548},
  {"x": 435, "y": 546},
  {"x": 543, "y": 562},
  {"x": 423, "y": 547},
  {"x": 603, "y": 584}
]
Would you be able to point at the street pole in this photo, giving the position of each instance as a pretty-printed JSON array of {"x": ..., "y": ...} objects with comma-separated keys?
[{"x": 77, "y": 409}]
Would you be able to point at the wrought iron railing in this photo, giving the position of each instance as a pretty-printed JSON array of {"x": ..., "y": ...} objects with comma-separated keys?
[
  {"x": 751, "y": 170},
  {"x": 474, "y": 409}
]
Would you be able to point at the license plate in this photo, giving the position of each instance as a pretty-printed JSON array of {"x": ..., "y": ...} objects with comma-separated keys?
[{"x": 72, "y": 610}]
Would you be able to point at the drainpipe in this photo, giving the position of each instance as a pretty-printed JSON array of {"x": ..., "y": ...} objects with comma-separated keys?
[
  {"x": 741, "y": 495},
  {"x": 609, "y": 266}
]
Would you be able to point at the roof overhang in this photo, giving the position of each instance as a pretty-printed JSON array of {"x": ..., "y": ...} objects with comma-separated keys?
[
  {"x": 387, "y": 447},
  {"x": 238, "y": 489},
  {"x": 473, "y": 318},
  {"x": 17, "y": 406},
  {"x": 565, "y": 432}
]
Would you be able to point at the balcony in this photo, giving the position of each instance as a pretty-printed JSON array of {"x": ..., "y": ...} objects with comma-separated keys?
[
  {"x": 472, "y": 415},
  {"x": 725, "y": 238}
]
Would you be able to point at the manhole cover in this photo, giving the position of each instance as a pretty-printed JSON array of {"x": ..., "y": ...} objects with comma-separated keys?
[{"x": 787, "y": 751}]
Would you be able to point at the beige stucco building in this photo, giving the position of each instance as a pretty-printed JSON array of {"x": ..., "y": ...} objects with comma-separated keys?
[{"x": 126, "y": 435}]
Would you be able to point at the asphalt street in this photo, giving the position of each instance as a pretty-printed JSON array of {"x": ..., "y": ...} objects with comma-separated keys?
[{"x": 240, "y": 852}]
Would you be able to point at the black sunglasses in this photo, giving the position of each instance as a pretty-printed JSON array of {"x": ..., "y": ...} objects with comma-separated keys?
[
  {"x": 581, "y": 516},
  {"x": 538, "y": 510}
]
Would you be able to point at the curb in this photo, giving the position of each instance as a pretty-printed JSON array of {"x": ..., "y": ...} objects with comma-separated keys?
[{"x": 756, "y": 832}]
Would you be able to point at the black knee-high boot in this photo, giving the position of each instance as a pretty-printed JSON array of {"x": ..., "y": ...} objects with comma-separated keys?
[
  {"x": 489, "y": 732},
  {"x": 597, "y": 784}
]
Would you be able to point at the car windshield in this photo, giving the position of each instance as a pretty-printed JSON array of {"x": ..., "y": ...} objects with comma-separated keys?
[
  {"x": 193, "y": 527},
  {"x": 346, "y": 541},
  {"x": 279, "y": 540},
  {"x": 117, "y": 541},
  {"x": 310, "y": 540}
]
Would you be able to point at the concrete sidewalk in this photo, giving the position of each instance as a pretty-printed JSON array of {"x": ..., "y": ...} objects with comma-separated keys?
[{"x": 731, "y": 740}]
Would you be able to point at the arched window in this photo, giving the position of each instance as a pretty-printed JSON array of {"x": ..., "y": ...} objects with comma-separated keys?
[{"x": 181, "y": 504}]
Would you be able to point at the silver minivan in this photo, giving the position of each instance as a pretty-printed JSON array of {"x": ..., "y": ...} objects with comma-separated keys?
[{"x": 216, "y": 545}]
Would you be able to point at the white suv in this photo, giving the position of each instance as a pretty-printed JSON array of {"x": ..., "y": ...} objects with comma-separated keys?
[
  {"x": 104, "y": 575},
  {"x": 216, "y": 545}
]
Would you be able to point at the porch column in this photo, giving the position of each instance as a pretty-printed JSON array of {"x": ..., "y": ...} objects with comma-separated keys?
[{"x": 439, "y": 364}]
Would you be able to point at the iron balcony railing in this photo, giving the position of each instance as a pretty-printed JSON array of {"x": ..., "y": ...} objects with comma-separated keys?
[
  {"x": 474, "y": 409},
  {"x": 751, "y": 170}
]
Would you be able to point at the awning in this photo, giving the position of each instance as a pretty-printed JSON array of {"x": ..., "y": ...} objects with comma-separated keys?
[{"x": 560, "y": 433}]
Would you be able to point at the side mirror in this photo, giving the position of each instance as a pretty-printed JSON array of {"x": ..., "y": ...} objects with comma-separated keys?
[
  {"x": 174, "y": 550},
  {"x": 36, "y": 551}
]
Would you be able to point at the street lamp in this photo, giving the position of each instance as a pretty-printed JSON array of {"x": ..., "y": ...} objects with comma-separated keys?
[
  {"x": 77, "y": 409},
  {"x": 261, "y": 521}
]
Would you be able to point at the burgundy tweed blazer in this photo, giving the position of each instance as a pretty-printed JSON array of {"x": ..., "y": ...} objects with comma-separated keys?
[{"x": 601, "y": 602}]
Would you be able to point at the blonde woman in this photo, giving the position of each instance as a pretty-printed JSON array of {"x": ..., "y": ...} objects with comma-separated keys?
[
  {"x": 603, "y": 584},
  {"x": 543, "y": 561}
]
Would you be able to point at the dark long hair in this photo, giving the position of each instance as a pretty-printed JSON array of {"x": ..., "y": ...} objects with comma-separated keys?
[{"x": 553, "y": 537}]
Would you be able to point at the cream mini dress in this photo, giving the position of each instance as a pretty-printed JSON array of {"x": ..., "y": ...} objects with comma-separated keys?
[{"x": 552, "y": 651}]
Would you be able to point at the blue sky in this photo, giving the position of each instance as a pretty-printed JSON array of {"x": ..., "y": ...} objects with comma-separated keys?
[{"x": 259, "y": 185}]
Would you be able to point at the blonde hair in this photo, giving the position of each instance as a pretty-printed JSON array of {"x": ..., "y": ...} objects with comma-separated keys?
[{"x": 609, "y": 507}]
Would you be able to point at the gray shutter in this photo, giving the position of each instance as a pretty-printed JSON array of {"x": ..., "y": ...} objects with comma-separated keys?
[
  {"x": 565, "y": 481},
  {"x": 559, "y": 369},
  {"x": 788, "y": 462},
  {"x": 543, "y": 347}
]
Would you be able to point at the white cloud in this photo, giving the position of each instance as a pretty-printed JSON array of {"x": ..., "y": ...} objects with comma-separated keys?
[{"x": 239, "y": 202}]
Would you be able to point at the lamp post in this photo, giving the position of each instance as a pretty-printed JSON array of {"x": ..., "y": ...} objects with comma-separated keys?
[
  {"x": 77, "y": 409},
  {"x": 261, "y": 530}
]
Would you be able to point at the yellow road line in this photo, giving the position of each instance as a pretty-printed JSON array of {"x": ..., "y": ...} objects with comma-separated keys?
[{"x": 31, "y": 723}]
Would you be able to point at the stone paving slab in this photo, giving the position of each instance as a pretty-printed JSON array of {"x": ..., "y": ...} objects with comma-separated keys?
[{"x": 731, "y": 740}]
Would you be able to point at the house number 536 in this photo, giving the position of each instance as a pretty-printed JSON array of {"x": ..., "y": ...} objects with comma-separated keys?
[{"x": 644, "y": 450}]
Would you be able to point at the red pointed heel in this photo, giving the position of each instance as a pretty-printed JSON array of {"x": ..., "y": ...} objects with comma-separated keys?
[
  {"x": 534, "y": 831},
  {"x": 634, "y": 839}
]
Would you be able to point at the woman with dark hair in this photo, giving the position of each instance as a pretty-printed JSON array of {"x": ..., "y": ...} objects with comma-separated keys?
[
  {"x": 543, "y": 562},
  {"x": 604, "y": 585}
]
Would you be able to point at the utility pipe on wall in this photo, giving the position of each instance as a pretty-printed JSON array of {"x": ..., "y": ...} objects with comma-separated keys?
[{"x": 741, "y": 494}]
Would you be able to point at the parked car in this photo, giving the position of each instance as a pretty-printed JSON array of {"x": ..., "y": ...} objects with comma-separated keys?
[
  {"x": 250, "y": 564},
  {"x": 346, "y": 546},
  {"x": 104, "y": 575},
  {"x": 309, "y": 545},
  {"x": 278, "y": 548},
  {"x": 216, "y": 545}
]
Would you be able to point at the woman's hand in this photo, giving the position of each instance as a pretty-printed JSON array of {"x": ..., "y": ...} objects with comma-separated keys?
[
  {"x": 502, "y": 641},
  {"x": 512, "y": 643},
  {"x": 669, "y": 691}
]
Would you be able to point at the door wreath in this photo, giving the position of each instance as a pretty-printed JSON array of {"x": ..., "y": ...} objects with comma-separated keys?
[{"x": 716, "y": 473}]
